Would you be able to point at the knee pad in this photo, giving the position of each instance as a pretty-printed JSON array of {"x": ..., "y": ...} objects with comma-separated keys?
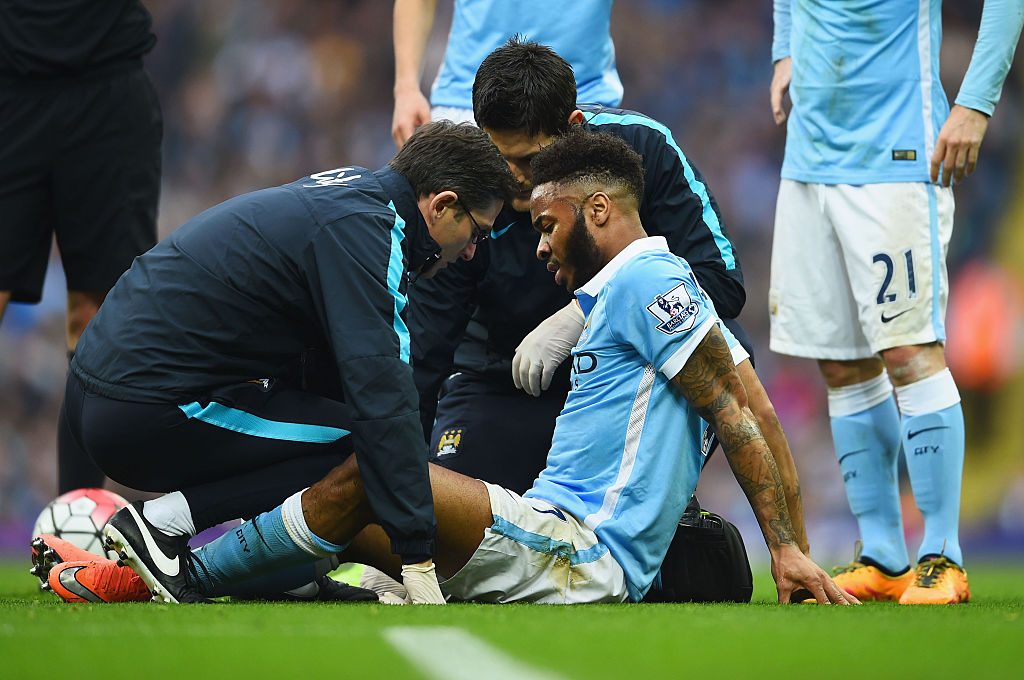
[{"x": 706, "y": 562}]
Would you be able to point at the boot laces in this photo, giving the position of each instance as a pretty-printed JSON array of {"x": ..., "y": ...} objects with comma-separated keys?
[
  {"x": 856, "y": 564},
  {"x": 931, "y": 571}
]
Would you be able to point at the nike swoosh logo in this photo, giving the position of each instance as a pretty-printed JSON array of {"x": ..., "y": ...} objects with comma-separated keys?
[
  {"x": 553, "y": 511},
  {"x": 911, "y": 435},
  {"x": 163, "y": 563},
  {"x": 499, "y": 232},
  {"x": 847, "y": 455},
  {"x": 887, "y": 319},
  {"x": 68, "y": 579}
]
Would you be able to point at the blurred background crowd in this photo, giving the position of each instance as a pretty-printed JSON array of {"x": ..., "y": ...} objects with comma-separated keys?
[{"x": 258, "y": 93}]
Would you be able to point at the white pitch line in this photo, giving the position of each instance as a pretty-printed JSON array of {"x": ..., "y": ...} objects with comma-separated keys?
[{"x": 445, "y": 653}]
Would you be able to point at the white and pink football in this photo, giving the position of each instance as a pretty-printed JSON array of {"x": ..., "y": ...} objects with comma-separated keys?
[{"x": 79, "y": 517}]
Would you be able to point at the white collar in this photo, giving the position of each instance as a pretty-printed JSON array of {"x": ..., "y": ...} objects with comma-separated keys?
[{"x": 637, "y": 247}]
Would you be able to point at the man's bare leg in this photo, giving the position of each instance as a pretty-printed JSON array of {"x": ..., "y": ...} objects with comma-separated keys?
[
  {"x": 337, "y": 509},
  {"x": 82, "y": 307},
  {"x": 771, "y": 428},
  {"x": 75, "y": 468}
]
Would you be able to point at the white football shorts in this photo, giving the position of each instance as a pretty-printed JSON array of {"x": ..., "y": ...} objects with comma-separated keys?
[
  {"x": 455, "y": 114},
  {"x": 858, "y": 269},
  {"x": 537, "y": 552}
]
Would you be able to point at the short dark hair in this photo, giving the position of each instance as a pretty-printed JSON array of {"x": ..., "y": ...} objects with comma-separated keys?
[
  {"x": 445, "y": 156},
  {"x": 524, "y": 86},
  {"x": 582, "y": 155}
]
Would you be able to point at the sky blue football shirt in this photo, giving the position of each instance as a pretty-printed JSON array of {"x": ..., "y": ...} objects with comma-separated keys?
[
  {"x": 580, "y": 31},
  {"x": 626, "y": 451},
  {"x": 868, "y": 104}
]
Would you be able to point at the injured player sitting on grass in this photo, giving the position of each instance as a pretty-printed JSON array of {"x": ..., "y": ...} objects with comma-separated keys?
[{"x": 647, "y": 380}]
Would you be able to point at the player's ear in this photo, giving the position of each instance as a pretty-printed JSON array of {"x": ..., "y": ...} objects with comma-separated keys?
[
  {"x": 576, "y": 117},
  {"x": 601, "y": 207},
  {"x": 441, "y": 201}
]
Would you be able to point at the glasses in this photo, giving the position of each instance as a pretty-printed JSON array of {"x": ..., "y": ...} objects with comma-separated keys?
[{"x": 479, "y": 233}]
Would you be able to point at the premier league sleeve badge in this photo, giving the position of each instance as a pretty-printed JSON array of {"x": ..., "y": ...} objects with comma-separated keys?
[{"x": 675, "y": 310}]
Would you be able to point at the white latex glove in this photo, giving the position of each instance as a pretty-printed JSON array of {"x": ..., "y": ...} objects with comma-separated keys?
[
  {"x": 545, "y": 348},
  {"x": 421, "y": 582}
]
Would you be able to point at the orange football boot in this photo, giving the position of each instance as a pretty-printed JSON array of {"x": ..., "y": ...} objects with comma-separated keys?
[
  {"x": 48, "y": 550},
  {"x": 99, "y": 580},
  {"x": 937, "y": 581},
  {"x": 868, "y": 583}
]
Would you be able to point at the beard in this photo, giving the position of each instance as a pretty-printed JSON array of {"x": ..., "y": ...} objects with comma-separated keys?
[{"x": 581, "y": 252}]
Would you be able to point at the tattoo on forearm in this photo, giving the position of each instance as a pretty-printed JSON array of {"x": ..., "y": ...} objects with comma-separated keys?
[
  {"x": 740, "y": 434},
  {"x": 710, "y": 383},
  {"x": 783, "y": 531}
]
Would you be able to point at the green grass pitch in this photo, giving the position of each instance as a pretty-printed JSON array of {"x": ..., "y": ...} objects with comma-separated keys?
[{"x": 43, "y": 637}]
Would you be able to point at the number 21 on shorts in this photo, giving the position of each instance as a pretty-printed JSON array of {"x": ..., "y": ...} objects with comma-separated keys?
[{"x": 884, "y": 294}]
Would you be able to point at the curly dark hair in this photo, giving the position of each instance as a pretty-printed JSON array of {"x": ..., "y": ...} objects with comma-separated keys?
[
  {"x": 444, "y": 156},
  {"x": 524, "y": 86},
  {"x": 582, "y": 155}
]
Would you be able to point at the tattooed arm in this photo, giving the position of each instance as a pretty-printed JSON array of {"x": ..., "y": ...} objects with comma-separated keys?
[
  {"x": 771, "y": 428},
  {"x": 711, "y": 384}
]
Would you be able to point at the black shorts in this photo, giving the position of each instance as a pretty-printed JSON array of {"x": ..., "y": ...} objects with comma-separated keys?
[
  {"x": 238, "y": 451},
  {"x": 80, "y": 159}
]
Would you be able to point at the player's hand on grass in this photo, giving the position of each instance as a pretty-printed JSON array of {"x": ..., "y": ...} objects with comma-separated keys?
[
  {"x": 780, "y": 87},
  {"x": 956, "y": 149},
  {"x": 420, "y": 580},
  {"x": 411, "y": 110},
  {"x": 545, "y": 348},
  {"x": 792, "y": 571}
]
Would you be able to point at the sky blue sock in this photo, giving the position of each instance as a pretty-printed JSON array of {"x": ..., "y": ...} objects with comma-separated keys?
[
  {"x": 272, "y": 583},
  {"x": 934, "y": 446},
  {"x": 275, "y": 542},
  {"x": 255, "y": 547},
  {"x": 867, "y": 445}
]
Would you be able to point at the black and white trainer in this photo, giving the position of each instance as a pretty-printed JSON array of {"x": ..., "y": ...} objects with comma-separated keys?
[
  {"x": 163, "y": 562},
  {"x": 336, "y": 591},
  {"x": 324, "y": 589}
]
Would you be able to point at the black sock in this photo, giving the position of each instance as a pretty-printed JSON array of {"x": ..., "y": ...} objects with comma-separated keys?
[{"x": 888, "y": 572}]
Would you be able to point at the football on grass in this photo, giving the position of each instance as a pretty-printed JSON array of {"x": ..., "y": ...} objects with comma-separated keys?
[{"x": 79, "y": 517}]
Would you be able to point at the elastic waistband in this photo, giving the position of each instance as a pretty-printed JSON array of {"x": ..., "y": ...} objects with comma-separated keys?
[{"x": 38, "y": 82}]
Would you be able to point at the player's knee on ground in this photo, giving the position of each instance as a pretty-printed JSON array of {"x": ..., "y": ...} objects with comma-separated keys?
[
  {"x": 914, "y": 362},
  {"x": 842, "y": 373}
]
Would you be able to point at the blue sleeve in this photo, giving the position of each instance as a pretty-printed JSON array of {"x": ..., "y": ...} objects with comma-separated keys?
[
  {"x": 664, "y": 315},
  {"x": 355, "y": 273},
  {"x": 783, "y": 25},
  {"x": 1001, "y": 22}
]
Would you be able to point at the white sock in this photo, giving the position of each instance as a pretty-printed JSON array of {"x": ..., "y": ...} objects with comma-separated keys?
[
  {"x": 299, "y": 532},
  {"x": 931, "y": 394},
  {"x": 170, "y": 514},
  {"x": 851, "y": 399}
]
